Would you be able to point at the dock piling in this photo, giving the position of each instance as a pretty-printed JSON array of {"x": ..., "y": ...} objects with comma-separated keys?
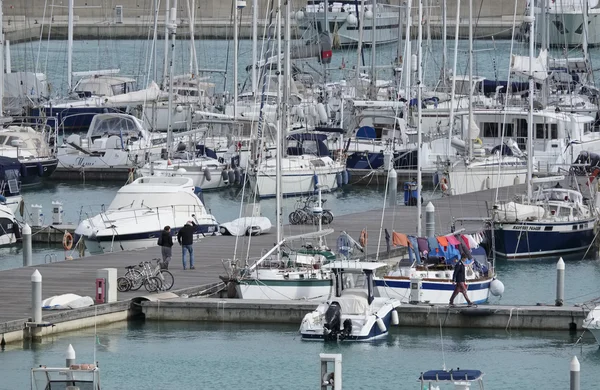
[
  {"x": 70, "y": 356},
  {"x": 27, "y": 249},
  {"x": 430, "y": 220},
  {"x": 575, "y": 374},
  {"x": 36, "y": 297},
  {"x": 560, "y": 282},
  {"x": 392, "y": 188}
]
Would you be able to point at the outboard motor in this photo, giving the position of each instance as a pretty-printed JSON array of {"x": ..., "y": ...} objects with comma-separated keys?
[{"x": 333, "y": 320}]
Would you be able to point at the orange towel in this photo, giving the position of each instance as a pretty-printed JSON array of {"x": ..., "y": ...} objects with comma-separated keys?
[
  {"x": 443, "y": 242},
  {"x": 400, "y": 239}
]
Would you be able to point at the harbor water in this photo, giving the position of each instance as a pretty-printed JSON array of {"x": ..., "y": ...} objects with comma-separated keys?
[{"x": 175, "y": 355}]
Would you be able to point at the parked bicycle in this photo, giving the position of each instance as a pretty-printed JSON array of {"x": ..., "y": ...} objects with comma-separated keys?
[
  {"x": 152, "y": 278},
  {"x": 304, "y": 212}
]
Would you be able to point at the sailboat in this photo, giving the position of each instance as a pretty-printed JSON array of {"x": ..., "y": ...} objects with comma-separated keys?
[
  {"x": 284, "y": 274},
  {"x": 557, "y": 221}
]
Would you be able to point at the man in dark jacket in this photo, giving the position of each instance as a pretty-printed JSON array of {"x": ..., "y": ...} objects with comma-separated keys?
[
  {"x": 460, "y": 282},
  {"x": 166, "y": 244},
  {"x": 185, "y": 238}
]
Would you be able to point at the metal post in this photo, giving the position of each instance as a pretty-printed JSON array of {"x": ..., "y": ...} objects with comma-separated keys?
[
  {"x": 36, "y": 297},
  {"x": 429, "y": 219},
  {"x": 560, "y": 282},
  {"x": 392, "y": 187},
  {"x": 70, "y": 356},
  {"x": 26, "y": 246},
  {"x": 575, "y": 374}
]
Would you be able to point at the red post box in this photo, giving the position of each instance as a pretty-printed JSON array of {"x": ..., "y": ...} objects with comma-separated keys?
[{"x": 100, "y": 290}]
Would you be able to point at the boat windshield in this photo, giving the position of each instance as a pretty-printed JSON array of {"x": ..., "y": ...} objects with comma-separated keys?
[
  {"x": 103, "y": 126},
  {"x": 55, "y": 378},
  {"x": 131, "y": 200}
]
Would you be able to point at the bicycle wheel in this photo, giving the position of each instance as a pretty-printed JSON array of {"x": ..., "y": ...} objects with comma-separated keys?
[
  {"x": 167, "y": 279},
  {"x": 152, "y": 284},
  {"x": 136, "y": 278},
  {"x": 294, "y": 217},
  {"x": 123, "y": 284}
]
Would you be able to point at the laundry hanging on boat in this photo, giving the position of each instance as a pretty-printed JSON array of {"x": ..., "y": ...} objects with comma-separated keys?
[
  {"x": 423, "y": 245},
  {"x": 433, "y": 246},
  {"x": 400, "y": 239},
  {"x": 465, "y": 240},
  {"x": 452, "y": 240}
]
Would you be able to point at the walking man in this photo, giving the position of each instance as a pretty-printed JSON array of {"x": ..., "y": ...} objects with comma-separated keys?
[
  {"x": 185, "y": 237},
  {"x": 165, "y": 242},
  {"x": 460, "y": 282}
]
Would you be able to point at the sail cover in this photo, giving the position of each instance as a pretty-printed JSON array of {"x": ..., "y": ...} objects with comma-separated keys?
[
  {"x": 150, "y": 94},
  {"x": 520, "y": 65}
]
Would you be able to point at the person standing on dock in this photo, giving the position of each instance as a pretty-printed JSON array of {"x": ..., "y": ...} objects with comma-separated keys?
[
  {"x": 460, "y": 282},
  {"x": 166, "y": 246},
  {"x": 185, "y": 238}
]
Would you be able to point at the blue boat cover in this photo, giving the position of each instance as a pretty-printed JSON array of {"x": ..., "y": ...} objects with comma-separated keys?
[
  {"x": 366, "y": 132},
  {"x": 451, "y": 376}
]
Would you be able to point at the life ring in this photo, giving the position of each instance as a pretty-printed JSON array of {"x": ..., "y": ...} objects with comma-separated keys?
[
  {"x": 364, "y": 237},
  {"x": 444, "y": 184},
  {"x": 67, "y": 241}
]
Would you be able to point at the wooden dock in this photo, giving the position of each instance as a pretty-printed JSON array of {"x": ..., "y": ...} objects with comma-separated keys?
[{"x": 78, "y": 276}]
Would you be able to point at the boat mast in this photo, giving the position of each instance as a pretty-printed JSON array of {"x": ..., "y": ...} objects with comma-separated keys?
[
  {"x": 279, "y": 138},
  {"x": 531, "y": 20},
  {"x": 254, "y": 46},
  {"x": 70, "y": 46},
  {"x": 1, "y": 56},
  {"x": 172, "y": 28},
  {"x": 419, "y": 116},
  {"x": 453, "y": 82},
  {"x": 193, "y": 56},
  {"x": 154, "y": 40},
  {"x": 373, "y": 92},
  {"x": 544, "y": 34},
  {"x": 287, "y": 70},
  {"x": 407, "y": 70},
  {"x": 585, "y": 38},
  {"x": 166, "y": 52},
  {"x": 470, "y": 138},
  {"x": 235, "y": 55},
  {"x": 444, "y": 44}
]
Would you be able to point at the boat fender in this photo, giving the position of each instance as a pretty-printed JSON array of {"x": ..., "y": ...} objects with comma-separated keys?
[
  {"x": 488, "y": 182},
  {"x": 313, "y": 112},
  {"x": 496, "y": 288},
  {"x": 231, "y": 176},
  {"x": 346, "y": 177},
  {"x": 224, "y": 175},
  {"x": 436, "y": 179},
  {"x": 395, "y": 318},
  {"x": 444, "y": 184},
  {"x": 17, "y": 230},
  {"x": 237, "y": 175},
  {"x": 322, "y": 112},
  {"x": 2, "y": 199},
  {"x": 381, "y": 325},
  {"x": 207, "y": 174},
  {"x": 339, "y": 179},
  {"x": 364, "y": 237},
  {"x": 517, "y": 181},
  {"x": 67, "y": 241},
  {"x": 316, "y": 181},
  {"x": 23, "y": 170},
  {"x": 40, "y": 168}
]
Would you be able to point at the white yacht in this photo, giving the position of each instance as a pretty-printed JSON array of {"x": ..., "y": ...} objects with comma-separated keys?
[
  {"x": 565, "y": 22},
  {"x": 343, "y": 23},
  {"x": 9, "y": 228},
  {"x": 306, "y": 166},
  {"x": 113, "y": 141},
  {"x": 139, "y": 212},
  {"x": 354, "y": 314},
  {"x": 592, "y": 323}
]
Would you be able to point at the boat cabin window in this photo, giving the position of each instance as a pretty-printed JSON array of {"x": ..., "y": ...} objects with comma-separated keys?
[
  {"x": 11, "y": 139},
  {"x": 494, "y": 130},
  {"x": 317, "y": 163},
  {"x": 2, "y": 139},
  {"x": 546, "y": 131},
  {"x": 113, "y": 125},
  {"x": 587, "y": 127}
]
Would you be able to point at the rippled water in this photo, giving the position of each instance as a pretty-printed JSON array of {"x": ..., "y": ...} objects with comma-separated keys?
[{"x": 177, "y": 355}]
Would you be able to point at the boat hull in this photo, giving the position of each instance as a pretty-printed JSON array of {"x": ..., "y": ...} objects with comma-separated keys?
[
  {"x": 38, "y": 170},
  {"x": 305, "y": 289},
  {"x": 294, "y": 182},
  {"x": 432, "y": 292},
  {"x": 464, "y": 181},
  {"x": 566, "y": 28},
  {"x": 526, "y": 240}
]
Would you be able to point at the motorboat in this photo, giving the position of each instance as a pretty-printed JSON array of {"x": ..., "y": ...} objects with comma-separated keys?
[
  {"x": 353, "y": 314},
  {"x": 113, "y": 141},
  {"x": 76, "y": 376},
  {"x": 458, "y": 379},
  {"x": 90, "y": 98},
  {"x": 565, "y": 22},
  {"x": 342, "y": 22},
  {"x": 11, "y": 171},
  {"x": 248, "y": 226},
  {"x": 555, "y": 222},
  {"x": 306, "y": 166},
  {"x": 206, "y": 172},
  {"x": 32, "y": 148},
  {"x": 139, "y": 212},
  {"x": 10, "y": 230},
  {"x": 592, "y": 323},
  {"x": 428, "y": 277}
]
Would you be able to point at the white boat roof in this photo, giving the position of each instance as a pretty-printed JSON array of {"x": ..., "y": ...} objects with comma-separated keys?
[
  {"x": 350, "y": 265},
  {"x": 158, "y": 184},
  {"x": 564, "y": 116}
]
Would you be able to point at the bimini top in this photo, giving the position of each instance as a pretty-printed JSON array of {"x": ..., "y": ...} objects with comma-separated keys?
[
  {"x": 451, "y": 376},
  {"x": 159, "y": 184},
  {"x": 151, "y": 192},
  {"x": 354, "y": 266}
]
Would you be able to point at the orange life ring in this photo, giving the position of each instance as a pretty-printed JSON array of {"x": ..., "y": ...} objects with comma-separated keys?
[
  {"x": 364, "y": 237},
  {"x": 444, "y": 184},
  {"x": 67, "y": 241}
]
